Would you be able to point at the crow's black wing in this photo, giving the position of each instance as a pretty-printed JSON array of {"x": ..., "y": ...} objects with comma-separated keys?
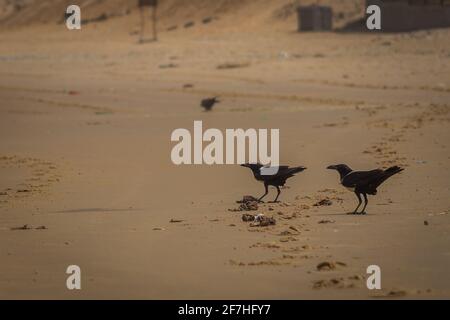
[
  {"x": 361, "y": 178},
  {"x": 284, "y": 173}
]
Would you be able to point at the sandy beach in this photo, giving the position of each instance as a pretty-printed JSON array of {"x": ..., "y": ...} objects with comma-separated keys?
[{"x": 86, "y": 176}]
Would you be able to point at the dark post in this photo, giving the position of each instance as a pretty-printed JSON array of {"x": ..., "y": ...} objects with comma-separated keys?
[{"x": 153, "y": 4}]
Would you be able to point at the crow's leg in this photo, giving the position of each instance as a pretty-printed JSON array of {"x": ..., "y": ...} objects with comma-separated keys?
[
  {"x": 359, "y": 203},
  {"x": 366, "y": 201},
  {"x": 278, "y": 194},
  {"x": 265, "y": 194}
]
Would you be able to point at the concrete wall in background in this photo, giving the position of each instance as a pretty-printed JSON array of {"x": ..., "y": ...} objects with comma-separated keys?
[{"x": 398, "y": 16}]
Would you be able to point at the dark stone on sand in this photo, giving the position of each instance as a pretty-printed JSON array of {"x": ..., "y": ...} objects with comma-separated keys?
[{"x": 248, "y": 217}]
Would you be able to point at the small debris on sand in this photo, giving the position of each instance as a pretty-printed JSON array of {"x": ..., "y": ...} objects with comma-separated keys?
[
  {"x": 3, "y": 193},
  {"x": 396, "y": 293},
  {"x": 247, "y": 199},
  {"x": 326, "y": 221},
  {"x": 287, "y": 239},
  {"x": 326, "y": 283},
  {"x": 248, "y": 203},
  {"x": 235, "y": 263},
  {"x": 324, "y": 202},
  {"x": 268, "y": 263},
  {"x": 230, "y": 65},
  {"x": 391, "y": 294},
  {"x": 168, "y": 66},
  {"x": 207, "y": 20},
  {"x": 24, "y": 227},
  {"x": 271, "y": 245},
  {"x": 249, "y": 206},
  {"x": 41, "y": 228},
  {"x": 175, "y": 221},
  {"x": 263, "y": 221},
  {"x": 325, "y": 266},
  {"x": 426, "y": 223},
  {"x": 23, "y": 190},
  {"x": 439, "y": 214},
  {"x": 158, "y": 229},
  {"x": 248, "y": 217},
  {"x": 340, "y": 283}
]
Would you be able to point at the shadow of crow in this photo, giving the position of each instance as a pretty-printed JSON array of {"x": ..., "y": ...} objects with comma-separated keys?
[
  {"x": 277, "y": 179},
  {"x": 363, "y": 182}
]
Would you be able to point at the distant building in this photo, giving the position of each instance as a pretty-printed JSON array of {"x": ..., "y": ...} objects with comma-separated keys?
[{"x": 409, "y": 15}]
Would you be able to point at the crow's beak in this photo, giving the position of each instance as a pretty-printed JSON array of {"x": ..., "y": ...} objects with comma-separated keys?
[
  {"x": 331, "y": 167},
  {"x": 244, "y": 165}
]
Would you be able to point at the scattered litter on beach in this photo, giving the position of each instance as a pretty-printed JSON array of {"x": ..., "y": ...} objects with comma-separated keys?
[
  {"x": 259, "y": 220},
  {"x": 248, "y": 203},
  {"x": 326, "y": 266},
  {"x": 326, "y": 221},
  {"x": 248, "y": 217}
]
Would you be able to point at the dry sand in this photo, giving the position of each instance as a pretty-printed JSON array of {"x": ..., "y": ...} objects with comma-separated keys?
[{"x": 85, "y": 125}]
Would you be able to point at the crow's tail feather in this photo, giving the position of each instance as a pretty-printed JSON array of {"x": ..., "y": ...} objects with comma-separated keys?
[
  {"x": 295, "y": 170},
  {"x": 387, "y": 174}
]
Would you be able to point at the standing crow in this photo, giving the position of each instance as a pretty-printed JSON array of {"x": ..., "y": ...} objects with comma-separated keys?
[
  {"x": 209, "y": 103},
  {"x": 363, "y": 182},
  {"x": 277, "y": 179}
]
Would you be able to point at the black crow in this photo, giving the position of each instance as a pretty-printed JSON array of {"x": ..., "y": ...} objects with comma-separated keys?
[
  {"x": 363, "y": 182},
  {"x": 209, "y": 103},
  {"x": 277, "y": 179}
]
